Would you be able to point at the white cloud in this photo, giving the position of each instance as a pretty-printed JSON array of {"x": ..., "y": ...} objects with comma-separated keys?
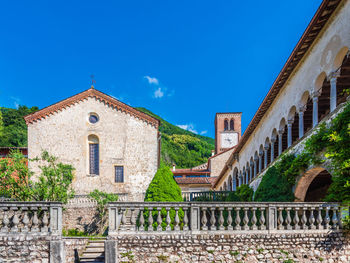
[
  {"x": 158, "y": 93},
  {"x": 188, "y": 127},
  {"x": 16, "y": 101},
  {"x": 204, "y": 132},
  {"x": 152, "y": 80}
]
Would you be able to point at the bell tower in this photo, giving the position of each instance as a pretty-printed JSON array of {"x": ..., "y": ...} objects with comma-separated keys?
[{"x": 227, "y": 130}]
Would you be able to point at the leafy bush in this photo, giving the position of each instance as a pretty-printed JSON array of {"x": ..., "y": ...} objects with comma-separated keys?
[
  {"x": 163, "y": 188},
  {"x": 274, "y": 187},
  {"x": 244, "y": 193},
  {"x": 102, "y": 199}
]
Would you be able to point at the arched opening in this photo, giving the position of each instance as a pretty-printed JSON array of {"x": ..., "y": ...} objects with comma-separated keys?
[
  {"x": 94, "y": 155},
  {"x": 225, "y": 186},
  {"x": 313, "y": 185},
  {"x": 230, "y": 183},
  {"x": 343, "y": 81},
  {"x": 232, "y": 125},
  {"x": 225, "y": 125},
  {"x": 285, "y": 138},
  {"x": 308, "y": 115}
]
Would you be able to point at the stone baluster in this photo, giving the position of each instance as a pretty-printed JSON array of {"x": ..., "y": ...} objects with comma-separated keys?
[
  {"x": 296, "y": 219},
  {"x": 159, "y": 219},
  {"x": 288, "y": 219},
  {"x": 280, "y": 219},
  {"x": 237, "y": 219},
  {"x": 335, "y": 219},
  {"x": 212, "y": 219},
  {"x": 35, "y": 221},
  {"x": 204, "y": 220},
  {"x": 304, "y": 219},
  {"x": 45, "y": 223},
  {"x": 289, "y": 132},
  {"x": 185, "y": 227},
  {"x": 262, "y": 220},
  {"x": 177, "y": 220},
  {"x": 142, "y": 221},
  {"x": 229, "y": 219},
  {"x": 221, "y": 219},
  {"x": 123, "y": 219},
  {"x": 280, "y": 134},
  {"x": 25, "y": 220},
  {"x": 315, "y": 96},
  {"x": 254, "y": 219},
  {"x": 5, "y": 222},
  {"x": 245, "y": 219},
  {"x": 150, "y": 219},
  {"x": 134, "y": 212},
  {"x": 327, "y": 218},
  {"x": 319, "y": 218},
  {"x": 340, "y": 225},
  {"x": 168, "y": 219},
  {"x": 15, "y": 221},
  {"x": 312, "y": 219}
]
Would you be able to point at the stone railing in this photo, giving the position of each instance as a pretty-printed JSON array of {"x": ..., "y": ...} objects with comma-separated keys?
[
  {"x": 232, "y": 217},
  {"x": 205, "y": 196},
  {"x": 86, "y": 201},
  {"x": 31, "y": 217}
]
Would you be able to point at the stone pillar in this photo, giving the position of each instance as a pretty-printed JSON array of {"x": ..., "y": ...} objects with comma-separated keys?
[
  {"x": 255, "y": 166},
  {"x": 273, "y": 140},
  {"x": 260, "y": 161},
  {"x": 111, "y": 251},
  {"x": 289, "y": 125},
  {"x": 315, "y": 109},
  {"x": 266, "y": 148},
  {"x": 280, "y": 134},
  {"x": 301, "y": 121},
  {"x": 333, "y": 81},
  {"x": 57, "y": 251},
  {"x": 251, "y": 171}
]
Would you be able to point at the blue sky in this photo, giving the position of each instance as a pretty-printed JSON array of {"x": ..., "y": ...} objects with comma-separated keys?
[{"x": 184, "y": 60}]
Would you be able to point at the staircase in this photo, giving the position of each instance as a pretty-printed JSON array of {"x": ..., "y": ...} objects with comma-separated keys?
[{"x": 94, "y": 252}]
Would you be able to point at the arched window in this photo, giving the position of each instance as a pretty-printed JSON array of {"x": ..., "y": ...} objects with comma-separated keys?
[
  {"x": 94, "y": 155},
  {"x": 232, "y": 127},
  {"x": 226, "y": 125}
]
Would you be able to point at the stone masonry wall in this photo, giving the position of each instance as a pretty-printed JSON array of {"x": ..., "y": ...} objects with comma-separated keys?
[
  {"x": 332, "y": 248},
  {"x": 123, "y": 140},
  {"x": 74, "y": 246},
  {"x": 24, "y": 248},
  {"x": 81, "y": 218}
]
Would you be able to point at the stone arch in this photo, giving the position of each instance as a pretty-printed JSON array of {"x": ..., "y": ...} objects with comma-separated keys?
[
  {"x": 226, "y": 124},
  {"x": 230, "y": 183},
  {"x": 293, "y": 118},
  {"x": 343, "y": 80},
  {"x": 339, "y": 58},
  {"x": 267, "y": 145},
  {"x": 312, "y": 185},
  {"x": 319, "y": 82},
  {"x": 283, "y": 133},
  {"x": 306, "y": 106}
]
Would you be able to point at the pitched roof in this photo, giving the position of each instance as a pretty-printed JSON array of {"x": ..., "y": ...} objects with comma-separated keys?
[
  {"x": 195, "y": 180},
  {"x": 90, "y": 93},
  {"x": 317, "y": 23}
]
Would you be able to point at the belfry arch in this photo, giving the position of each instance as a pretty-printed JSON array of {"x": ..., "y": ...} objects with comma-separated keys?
[{"x": 313, "y": 185}]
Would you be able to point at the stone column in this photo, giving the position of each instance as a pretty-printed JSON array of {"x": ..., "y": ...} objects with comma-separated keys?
[
  {"x": 315, "y": 96},
  {"x": 289, "y": 125},
  {"x": 260, "y": 161},
  {"x": 333, "y": 81},
  {"x": 251, "y": 171},
  {"x": 280, "y": 134},
  {"x": 255, "y": 166},
  {"x": 240, "y": 179},
  {"x": 266, "y": 148},
  {"x": 273, "y": 140},
  {"x": 301, "y": 120},
  {"x": 234, "y": 186}
]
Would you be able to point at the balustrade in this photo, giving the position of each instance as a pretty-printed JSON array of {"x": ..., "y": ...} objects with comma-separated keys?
[
  {"x": 31, "y": 217},
  {"x": 225, "y": 217}
]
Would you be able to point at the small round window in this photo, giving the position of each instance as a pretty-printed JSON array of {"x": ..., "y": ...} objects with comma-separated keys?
[{"x": 93, "y": 118}]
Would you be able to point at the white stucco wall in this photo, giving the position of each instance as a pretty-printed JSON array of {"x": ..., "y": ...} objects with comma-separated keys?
[{"x": 123, "y": 140}]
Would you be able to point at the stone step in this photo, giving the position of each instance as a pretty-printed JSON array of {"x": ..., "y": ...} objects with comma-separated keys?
[
  {"x": 94, "y": 249},
  {"x": 93, "y": 255}
]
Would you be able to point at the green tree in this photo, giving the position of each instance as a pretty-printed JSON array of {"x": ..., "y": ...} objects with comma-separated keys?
[
  {"x": 55, "y": 180},
  {"x": 274, "y": 187},
  {"x": 15, "y": 177}
]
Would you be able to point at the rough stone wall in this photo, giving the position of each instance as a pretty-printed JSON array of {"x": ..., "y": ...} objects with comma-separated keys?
[
  {"x": 218, "y": 161},
  {"x": 81, "y": 218},
  {"x": 123, "y": 140},
  {"x": 74, "y": 246},
  {"x": 234, "y": 248},
  {"x": 24, "y": 248}
]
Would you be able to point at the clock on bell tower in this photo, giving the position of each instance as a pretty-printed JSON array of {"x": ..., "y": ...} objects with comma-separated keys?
[{"x": 227, "y": 130}]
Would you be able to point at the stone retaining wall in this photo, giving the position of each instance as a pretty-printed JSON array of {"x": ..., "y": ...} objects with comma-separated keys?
[
  {"x": 317, "y": 247},
  {"x": 81, "y": 218},
  {"x": 74, "y": 246}
]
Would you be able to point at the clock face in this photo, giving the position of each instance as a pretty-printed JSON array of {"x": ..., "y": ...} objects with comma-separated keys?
[{"x": 229, "y": 139}]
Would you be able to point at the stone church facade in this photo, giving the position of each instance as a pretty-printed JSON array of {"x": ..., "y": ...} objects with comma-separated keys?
[{"x": 112, "y": 146}]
